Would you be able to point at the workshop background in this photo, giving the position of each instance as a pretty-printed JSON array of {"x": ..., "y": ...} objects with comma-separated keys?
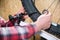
[{"x": 13, "y": 6}]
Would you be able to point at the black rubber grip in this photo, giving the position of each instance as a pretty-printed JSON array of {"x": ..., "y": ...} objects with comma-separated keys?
[{"x": 31, "y": 9}]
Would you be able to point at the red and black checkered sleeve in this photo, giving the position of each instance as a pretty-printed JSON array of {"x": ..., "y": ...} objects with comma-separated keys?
[{"x": 16, "y": 32}]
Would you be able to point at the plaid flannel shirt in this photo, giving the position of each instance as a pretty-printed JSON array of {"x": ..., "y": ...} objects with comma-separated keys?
[{"x": 17, "y": 32}]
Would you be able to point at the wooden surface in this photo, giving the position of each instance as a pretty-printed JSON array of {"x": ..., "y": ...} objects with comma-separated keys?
[
  {"x": 9, "y": 7},
  {"x": 44, "y": 4}
]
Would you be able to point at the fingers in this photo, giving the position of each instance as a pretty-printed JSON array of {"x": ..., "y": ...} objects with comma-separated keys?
[
  {"x": 47, "y": 25},
  {"x": 49, "y": 14},
  {"x": 46, "y": 12},
  {"x": 22, "y": 10}
]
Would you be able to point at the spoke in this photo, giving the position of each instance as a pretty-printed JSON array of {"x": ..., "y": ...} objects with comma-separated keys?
[
  {"x": 34, "y": 1},
  {"x": 51, "y": 4},
  {"x": 56, "y": 7},
  {"x": 59, "y": 18}
]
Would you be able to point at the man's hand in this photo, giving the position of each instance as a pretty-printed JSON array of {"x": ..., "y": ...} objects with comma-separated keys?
[{"x": 43, "y": 21}]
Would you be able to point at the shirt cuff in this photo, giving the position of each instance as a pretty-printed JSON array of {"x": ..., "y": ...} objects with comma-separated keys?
[{"x": 35, "y": 27}]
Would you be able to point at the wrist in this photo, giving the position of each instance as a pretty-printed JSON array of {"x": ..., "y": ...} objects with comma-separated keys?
[{"x": 38, "y": 26}]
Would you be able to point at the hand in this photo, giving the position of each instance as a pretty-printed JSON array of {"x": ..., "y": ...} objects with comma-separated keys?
[
  {"x": 22, "y": 10},
  {"x": 43, "y": 21},
  {"x": 2, "y": 21}
]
